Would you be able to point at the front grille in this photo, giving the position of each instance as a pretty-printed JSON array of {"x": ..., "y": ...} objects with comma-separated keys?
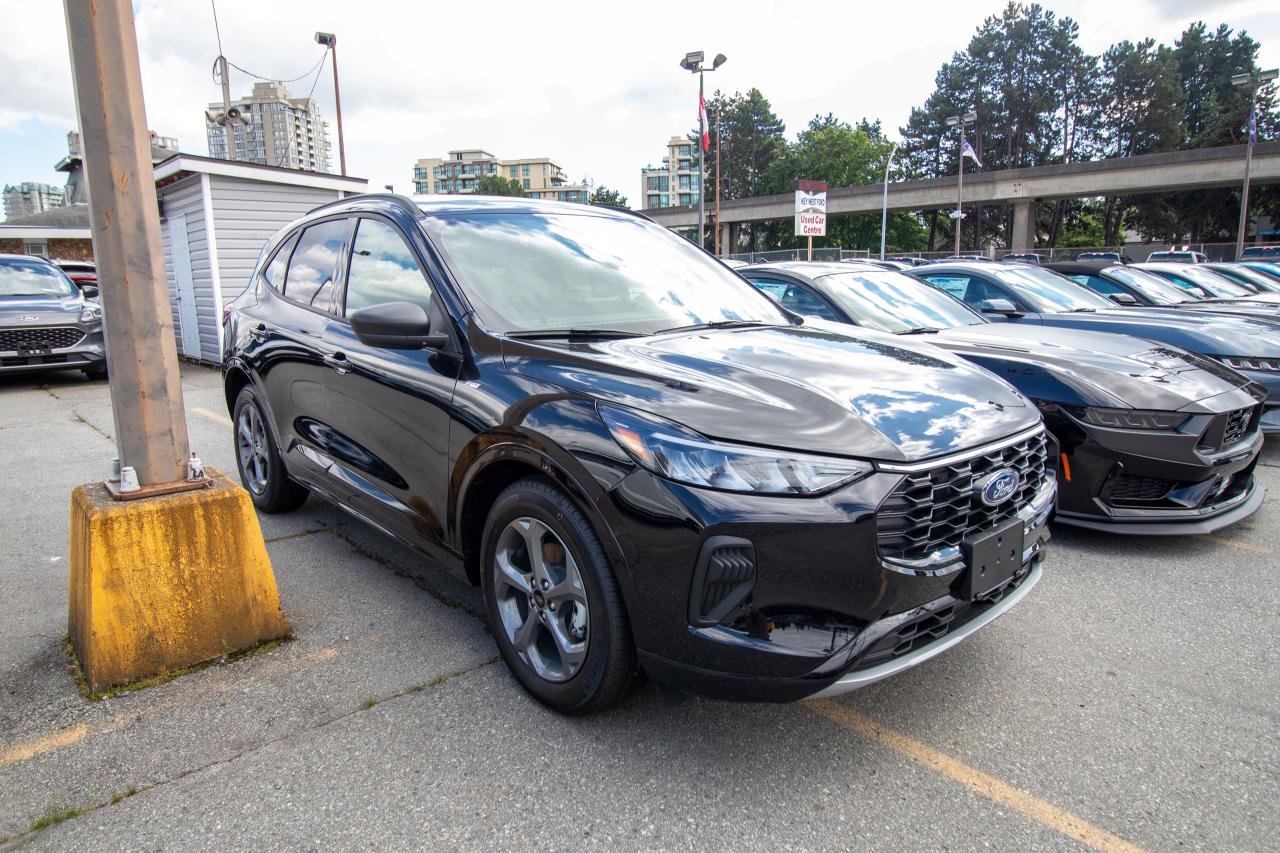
[
  {"x": 1237, "y": 425},
  {"x": 55, "y": 338},
  {"x": 938, "y": 508},
  {"x": 1130, "y": 487}
]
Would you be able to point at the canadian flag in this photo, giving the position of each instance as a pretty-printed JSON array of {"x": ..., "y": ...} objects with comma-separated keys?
[{"x": 706, "y": 125}]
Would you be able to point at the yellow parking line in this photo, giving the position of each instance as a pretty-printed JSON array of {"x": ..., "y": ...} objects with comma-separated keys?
[
  {"x": 213, "y": 416},
  {"x": 48, "y": 743},
  {"x": 975, "y": 780},
  {"x": 1236, "y": 543}
]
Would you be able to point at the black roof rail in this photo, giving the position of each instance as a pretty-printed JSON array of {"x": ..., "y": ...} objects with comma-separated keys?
[{"x": 401, "y": 201}]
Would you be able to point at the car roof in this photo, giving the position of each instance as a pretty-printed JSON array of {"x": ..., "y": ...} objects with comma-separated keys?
[
  {"x": 440, "y": 205},
  {"x": 1085, "y": 266},
  {"x": 973, "y": 266},
  {"x": 14, "y": 256},
  {"x": 815, "y": 269}
]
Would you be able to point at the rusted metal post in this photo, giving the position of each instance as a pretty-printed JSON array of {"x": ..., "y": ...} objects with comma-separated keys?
[{"x": 142, "y": 355}]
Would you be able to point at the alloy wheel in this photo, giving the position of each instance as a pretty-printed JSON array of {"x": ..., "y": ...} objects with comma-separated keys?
[
  {"x": 252, "y": 448},
  {"x": 541, "y": 599}
]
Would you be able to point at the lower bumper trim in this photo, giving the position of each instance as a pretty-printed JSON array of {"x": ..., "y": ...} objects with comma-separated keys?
[
  {"x": 862, "y": 678},
  {"x": 1189, "y": 527}
]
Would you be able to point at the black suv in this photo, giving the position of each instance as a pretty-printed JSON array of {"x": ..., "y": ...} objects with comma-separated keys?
[{"x": 647, "y": 465}]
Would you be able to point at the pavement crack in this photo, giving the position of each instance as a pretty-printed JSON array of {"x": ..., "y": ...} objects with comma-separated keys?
[
  {"x": 324, "y": 528},
  {"x": 400, "y": 571}
]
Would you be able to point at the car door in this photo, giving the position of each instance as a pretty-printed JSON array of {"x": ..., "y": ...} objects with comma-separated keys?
[
  {"x": 286, "y": 333},
  {"x": 390, "y": 409}
]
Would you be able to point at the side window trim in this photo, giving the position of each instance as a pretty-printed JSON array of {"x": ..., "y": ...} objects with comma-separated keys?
[{"x": 343, "y": 251}]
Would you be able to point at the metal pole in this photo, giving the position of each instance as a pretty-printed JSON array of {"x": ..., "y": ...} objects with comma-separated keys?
[
  {"x": 228, "y": 125},
  {"x": 337, "y": 106},
  {"x": 960, "y": 191},
  {"x": 717, "y": 238},
  {"x": 884, "y": 204},
  {"x": 146, "y": 389},
  {"x": 702, "y": 169},
  {"x": 1248, "y": 162}
]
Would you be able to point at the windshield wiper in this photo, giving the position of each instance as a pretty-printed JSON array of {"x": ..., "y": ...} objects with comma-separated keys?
[
  {"x": 574, "y": 334},
  {"x": 919, "y": 330},
  {"x": 715, "y": 324}
]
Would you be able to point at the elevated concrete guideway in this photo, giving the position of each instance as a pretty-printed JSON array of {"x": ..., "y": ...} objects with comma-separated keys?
[{"x": 1202, "y": 168}]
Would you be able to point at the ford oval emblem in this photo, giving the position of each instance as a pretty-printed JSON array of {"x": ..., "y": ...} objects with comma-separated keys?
[
  {"x": 29, "y": 318},
  {"x": 998, "y": 487}
]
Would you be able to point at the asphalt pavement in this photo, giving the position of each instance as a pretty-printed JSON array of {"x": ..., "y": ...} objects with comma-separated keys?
[{"x": 1131, "y": 701}]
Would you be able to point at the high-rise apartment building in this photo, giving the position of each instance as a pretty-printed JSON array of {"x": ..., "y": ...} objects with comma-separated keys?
[
  {"x": 282, "y": 131},
  {"x": 675, "y": 182},
  {"x": 462, "y": 169},
  {"x": 29, "y": 197}
]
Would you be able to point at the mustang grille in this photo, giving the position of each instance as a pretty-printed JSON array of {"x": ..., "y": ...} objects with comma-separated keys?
[
  {"x": 934, "y": 509},
  {"x": 55, "y": 338},
  {"x": 1238, "y": 423},
  {"x": 1131, "y": 487}
]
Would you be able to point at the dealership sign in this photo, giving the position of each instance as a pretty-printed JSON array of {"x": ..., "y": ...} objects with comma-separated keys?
[{"x": 811, "y": 208}]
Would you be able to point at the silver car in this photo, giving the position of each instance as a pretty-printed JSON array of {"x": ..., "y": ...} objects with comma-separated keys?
[{"x": 46, "y": 322}]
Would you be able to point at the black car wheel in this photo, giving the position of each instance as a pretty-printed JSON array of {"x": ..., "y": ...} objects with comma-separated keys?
[
  {"x": 553, "y": 603},
  {"x": 258, "y": 459},
  {"x": 95, "y": 374}
]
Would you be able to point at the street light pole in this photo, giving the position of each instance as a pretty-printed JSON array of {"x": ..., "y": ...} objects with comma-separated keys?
[
  {"x": 693, "y": 62},
  {"x": 884, "y": 203},
  {"x": 330, "y": 41},
  {"x": 959, "y": 121},
  {"x": 1255, "y": 82}
]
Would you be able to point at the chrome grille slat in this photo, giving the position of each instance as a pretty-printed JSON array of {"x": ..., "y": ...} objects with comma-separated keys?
[{"x": 936, "y": 508}]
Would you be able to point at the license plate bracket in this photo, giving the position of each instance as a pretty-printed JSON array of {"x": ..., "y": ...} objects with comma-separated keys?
[{"x": 993, "y": 558}]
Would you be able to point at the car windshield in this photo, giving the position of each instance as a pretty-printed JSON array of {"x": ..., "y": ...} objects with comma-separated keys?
[
  {"x": 20, "y": 277},
  {"x": 1158, "y": 290},
  {"x": 1050, "y": 293},
  {"x": 893, "y": 302},
  {"x": 1213, "y": 283},
  {"x": 533, "y": 271},
  {"x": 1251, "y": 278}
]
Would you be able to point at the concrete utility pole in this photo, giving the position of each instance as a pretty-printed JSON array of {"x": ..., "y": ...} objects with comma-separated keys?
[
  {"x": 228, "y": 126},
  {"x": 142, "y": 355}
]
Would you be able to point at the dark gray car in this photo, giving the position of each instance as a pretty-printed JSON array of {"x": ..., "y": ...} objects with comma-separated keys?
[{"x": 46, "y": 322}]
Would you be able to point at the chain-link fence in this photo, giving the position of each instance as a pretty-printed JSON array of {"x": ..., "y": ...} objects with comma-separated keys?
[
  {"x": 798, "y": 255},
  {"x": 1132, "y": 252}
]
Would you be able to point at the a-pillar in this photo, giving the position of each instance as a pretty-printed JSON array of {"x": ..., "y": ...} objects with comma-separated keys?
[{"x": 1023, "y": 238}]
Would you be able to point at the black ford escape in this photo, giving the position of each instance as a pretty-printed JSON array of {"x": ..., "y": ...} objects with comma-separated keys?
[{"x": 647, "y": 465}]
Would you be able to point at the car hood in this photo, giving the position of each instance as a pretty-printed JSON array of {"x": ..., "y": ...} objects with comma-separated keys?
[
  {"x": 801, "y": 387},
  {"x": 1121, "y": 369},
  {"x": 1214, "y": 334},
  {"x": 39, "y": 310}
]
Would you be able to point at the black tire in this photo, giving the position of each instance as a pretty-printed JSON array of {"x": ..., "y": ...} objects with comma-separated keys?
[
  {"x": 96, "y": 374},
  {"x": 609, "y": 672},
  {"x": 275, "y": 492}
]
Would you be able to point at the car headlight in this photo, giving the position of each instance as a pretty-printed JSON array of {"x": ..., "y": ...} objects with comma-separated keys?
[
  {"x": 1128, "y": 418},
  {"x": 676, "y": 453},
  {"x": 90, "y": 313},
  {"x": 1267, "y": 364}
]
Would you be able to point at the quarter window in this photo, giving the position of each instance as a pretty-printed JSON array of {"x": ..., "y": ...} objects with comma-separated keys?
[
  {"x": 383, "y": 269},
  {"x": 274, "y": 272},
  {"x": 314, "y": 264}
]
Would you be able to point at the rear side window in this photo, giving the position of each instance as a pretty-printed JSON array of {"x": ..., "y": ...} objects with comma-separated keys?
[
  {"x": 1098, "y": 284},
  {"x": 795, "y": 298},
  {"x": 314, "y": 264},
  {"x": 273, "y": 273},
  {"x": 383, "y": 269}
]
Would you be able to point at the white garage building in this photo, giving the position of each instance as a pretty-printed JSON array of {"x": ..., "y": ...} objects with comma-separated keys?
[{"x": 215, "y": 217}]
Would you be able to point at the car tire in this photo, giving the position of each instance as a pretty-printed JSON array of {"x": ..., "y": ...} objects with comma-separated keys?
[
  {"x": 596, "y": 654},
  {"x": 258, "y": 458},
  {"x": 95, "y": 374}
]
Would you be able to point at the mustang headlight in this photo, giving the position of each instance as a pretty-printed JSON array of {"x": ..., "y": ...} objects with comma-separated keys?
[
  {"x": 91, "y": 312},
  {"x": 1128, "y": 418},
  {"x": 1270, "y": 365},
  {"x": 672, "y": 451}
]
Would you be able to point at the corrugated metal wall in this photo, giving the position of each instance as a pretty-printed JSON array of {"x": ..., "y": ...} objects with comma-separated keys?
[{"x": 185, "y": 198}]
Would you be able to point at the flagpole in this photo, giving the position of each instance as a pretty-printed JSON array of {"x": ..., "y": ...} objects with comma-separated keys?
[
  {"x": 717, "y": 235},
  {"x": 960, "y": 193},
  {"x": 702, "y": 167},
  {"x": 1248, "y": 162}
]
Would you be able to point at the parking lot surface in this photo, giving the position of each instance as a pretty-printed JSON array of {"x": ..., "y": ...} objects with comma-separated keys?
[{"x": 1132, "y": 701}]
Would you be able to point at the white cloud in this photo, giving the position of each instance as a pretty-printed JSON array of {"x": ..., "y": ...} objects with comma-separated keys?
[{"x": 594, "y": 85}]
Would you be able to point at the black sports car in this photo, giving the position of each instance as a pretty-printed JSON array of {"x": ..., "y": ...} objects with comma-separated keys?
[
  {"x": 1153, "y": 439},
  {"x": 646, "y": 464},
  {"x": 1037, "y": 296}
]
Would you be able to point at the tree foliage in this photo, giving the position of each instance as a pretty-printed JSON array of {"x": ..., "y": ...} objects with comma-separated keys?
[
  {"x": 606, "y": 197},
  {"x": 498, "y": 185}
]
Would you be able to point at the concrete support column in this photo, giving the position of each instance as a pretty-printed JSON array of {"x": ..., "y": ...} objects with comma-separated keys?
[
  {"x": 726, "y": 248},
  {"x": 1023, "y": 238}
]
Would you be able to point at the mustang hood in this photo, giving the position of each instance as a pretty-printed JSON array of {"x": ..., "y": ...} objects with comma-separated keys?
[
  {"x": 803, "y": 388},
  {"x": 1208, "y": 335},
  {"x": 1104, "y": 369}
]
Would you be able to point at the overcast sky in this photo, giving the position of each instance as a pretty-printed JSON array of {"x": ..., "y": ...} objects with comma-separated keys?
[{"x": 594, "y": 85}]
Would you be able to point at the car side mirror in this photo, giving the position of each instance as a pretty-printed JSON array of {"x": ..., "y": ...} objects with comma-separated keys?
[
  {"x": 89, "y": 292},
  {"x": 1122, "y": 298},
  {"x": 395, "y": 325},
  {"x": 999, "y": 306}
]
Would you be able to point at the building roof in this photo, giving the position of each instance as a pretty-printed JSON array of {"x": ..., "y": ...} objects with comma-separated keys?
[
  {"x": 71, "y": 216},
  {"x": 182, "y": 165}
]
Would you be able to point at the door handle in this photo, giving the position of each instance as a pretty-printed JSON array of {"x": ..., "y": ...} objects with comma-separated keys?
[{"x": 338, "y": 361}]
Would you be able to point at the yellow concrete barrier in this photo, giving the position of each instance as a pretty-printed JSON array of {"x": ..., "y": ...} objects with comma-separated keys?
[{"x": 167, "y": 582}]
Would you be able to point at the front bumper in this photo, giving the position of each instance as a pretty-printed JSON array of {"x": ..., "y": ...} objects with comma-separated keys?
[
  {"x": 824, "y": 607},
  {"x": 89, "y": 353}
]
